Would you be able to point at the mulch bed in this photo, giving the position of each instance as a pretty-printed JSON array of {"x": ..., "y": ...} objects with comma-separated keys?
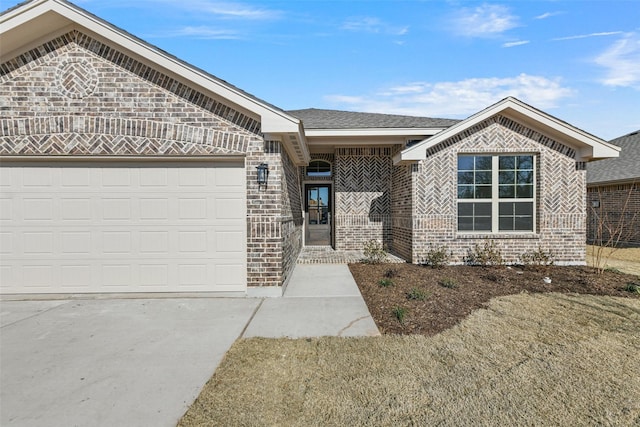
[{"x": 465, "y": 289}]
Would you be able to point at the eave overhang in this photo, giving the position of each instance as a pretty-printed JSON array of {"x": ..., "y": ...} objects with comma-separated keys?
[{"x": 587, "y": 147}]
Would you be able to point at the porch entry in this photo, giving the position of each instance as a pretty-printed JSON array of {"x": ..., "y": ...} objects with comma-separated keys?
[{"x": 318, "y": 214}]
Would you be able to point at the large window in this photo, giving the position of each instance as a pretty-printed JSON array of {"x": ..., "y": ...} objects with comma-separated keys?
[{"x": 496, "y": 193}]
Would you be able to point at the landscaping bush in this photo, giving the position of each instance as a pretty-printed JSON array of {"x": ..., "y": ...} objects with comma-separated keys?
[
  {"x": 537, "y": 258},
  {"x": 437, "y": 257},
  {"x": 374, "y": 252},
  {"x": 488, "y": 254}
]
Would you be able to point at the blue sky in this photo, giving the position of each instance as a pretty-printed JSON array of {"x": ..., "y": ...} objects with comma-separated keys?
[{"x": 577, "y": 60}]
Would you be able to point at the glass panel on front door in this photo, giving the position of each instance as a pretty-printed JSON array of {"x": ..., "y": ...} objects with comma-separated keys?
[{"x": 318, "y": 215}]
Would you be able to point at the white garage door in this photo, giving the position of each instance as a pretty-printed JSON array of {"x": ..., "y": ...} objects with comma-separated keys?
[{"x": 122, "y": 227}]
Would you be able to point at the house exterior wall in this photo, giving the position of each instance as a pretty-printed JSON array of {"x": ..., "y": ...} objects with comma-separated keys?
[
  {"x": 402, "y": 191},
  {"x": 75, "y": 96},
  {"x": 362, "y": 181},
  {"x": 274, "y": 216},
  {"x": 618, "y": 208},
  {"x": 560, "y": 202}
]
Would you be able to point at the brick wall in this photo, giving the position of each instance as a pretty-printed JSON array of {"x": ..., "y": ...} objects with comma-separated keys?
[
  {"x": 76, "y": 96},
  {"x": 402, "y": 192},
  {"x": 291, "y": 215},
  {"x": 617, "y": 216},
  {"x": 362, "y": 179},
  {"x": 274, "y": 216},
  {"x": 560, "y": 195}
]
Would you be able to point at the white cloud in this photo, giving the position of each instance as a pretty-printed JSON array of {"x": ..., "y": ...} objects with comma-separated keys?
[
  {"x": 201, "y": 32},
  {"x": 224, "y": 9},
  {"x": 548, "y": 15},
  {"x": 455, "y": 99},
  {"x": 237, "y": 10},
  {"x": 516, "y": 43},
  {"x": 482, "y": 21},
  {"x": 622, "y": 62},
  {"x": 584, "y": 36},
  {"x": 373, "y": 25}
]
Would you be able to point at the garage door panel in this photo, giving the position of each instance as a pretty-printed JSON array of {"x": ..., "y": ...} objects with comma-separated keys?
[{"x": 140, "y": 228}]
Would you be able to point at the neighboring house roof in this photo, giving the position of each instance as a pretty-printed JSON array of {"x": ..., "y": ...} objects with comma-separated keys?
[
  {"x": 588, "y": 147},
  {"x": 624, "y": 168},
  {"x": 26, "y": 25}
]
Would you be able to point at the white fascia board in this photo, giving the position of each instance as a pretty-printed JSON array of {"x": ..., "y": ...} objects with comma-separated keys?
[
  {"x": 372, "y": 132},
  {"x": 272, "y": 119},
  {"x": 587, "y": 145}
]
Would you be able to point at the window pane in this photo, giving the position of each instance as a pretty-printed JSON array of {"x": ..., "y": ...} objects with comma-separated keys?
[
  {"x": 465, "y": 163},
  {"x": 524, "y": 223},
  {"x": 483, "y": 192},
  {"x": 507, "y": 162},
  {"x": 482, "y": 224},
  {"x": 507, "y": 177},
  {"x": 525, "y": 162},
  {"x": 465, "y": 209},
  {"x": 505, "y": 209},
  {"x": 483, "y": 163},
  {"x": 465, "y": 191},
  {"x": 525, "y": 177},
  {"x": 483, "y": 177},
  {"x": 465, "y": 223},
  {"x": 465, "y": 177},
  {"x": 524, "y": 209},
  {"x": 524, "y": 192},
  {"x": 482, "y": 209},
  {"x": 506, "y": 224},
  {"x": 507, "y": 191}
]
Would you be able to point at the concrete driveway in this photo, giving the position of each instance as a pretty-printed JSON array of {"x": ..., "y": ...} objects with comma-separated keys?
[
  {"x": 117, "y": 362},
  {"x": 142, "y": 362}
]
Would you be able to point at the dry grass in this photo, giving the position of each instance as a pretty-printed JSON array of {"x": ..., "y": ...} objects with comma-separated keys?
[
  {"x": 541, "y": 359},
  {"x": 626, "y": 260}
]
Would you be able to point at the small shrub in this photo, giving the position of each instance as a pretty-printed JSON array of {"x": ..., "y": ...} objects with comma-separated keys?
[
  {"x": 633, "y": 288},
  {"x": 538, "y": 258},
  {"x": 390, "y": 273},
  {"x": 488, "y": 254},
  {"x": 613, "y": 270},
  {"x": 437, "y": 257},
  {"x": 385, "y": 283},
  {"x": 374, "y": 252},
  {"x": 417, "y": 294},
  {"x": 448, "y": 282},
  {"x": 400, "y": 313}
]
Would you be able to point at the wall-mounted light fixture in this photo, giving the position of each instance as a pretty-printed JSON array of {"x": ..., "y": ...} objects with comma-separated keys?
[
  {"x": 595, "y": 203},
  {"x": 263, "y": 174}
]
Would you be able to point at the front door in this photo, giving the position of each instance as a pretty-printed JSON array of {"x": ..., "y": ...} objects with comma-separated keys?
[{"x": 318, "y": 214}]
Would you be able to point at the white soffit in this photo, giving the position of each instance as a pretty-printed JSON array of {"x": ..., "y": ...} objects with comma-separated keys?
[{"x": 588, "y": 147}]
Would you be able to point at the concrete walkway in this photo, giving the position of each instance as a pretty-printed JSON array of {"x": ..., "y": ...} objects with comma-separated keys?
[
  {"x": 142, "y": 362},
  {"x": 320, "y": 300}
]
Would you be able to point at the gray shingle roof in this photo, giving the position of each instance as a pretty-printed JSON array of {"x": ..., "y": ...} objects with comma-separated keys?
[
  {"x": 623, "y": 168},
  {"x": 314, "y": 118}
]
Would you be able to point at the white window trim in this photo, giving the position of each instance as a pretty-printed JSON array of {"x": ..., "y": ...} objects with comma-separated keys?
[{"x": 495, "y": 199}]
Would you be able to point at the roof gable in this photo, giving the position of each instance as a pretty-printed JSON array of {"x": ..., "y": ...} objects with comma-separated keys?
[
  {"x": 587, "y": 147},
  {"x": 32, "y": 23},
  {"x": 624, "y": 168}
]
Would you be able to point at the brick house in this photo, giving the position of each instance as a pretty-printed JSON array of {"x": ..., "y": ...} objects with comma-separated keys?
[
  {"x": 613, "y": 194},
  {"x": 124, "y": 169}
]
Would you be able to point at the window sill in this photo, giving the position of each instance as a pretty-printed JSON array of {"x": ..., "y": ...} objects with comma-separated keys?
[{"x": 497, "y": 236}]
